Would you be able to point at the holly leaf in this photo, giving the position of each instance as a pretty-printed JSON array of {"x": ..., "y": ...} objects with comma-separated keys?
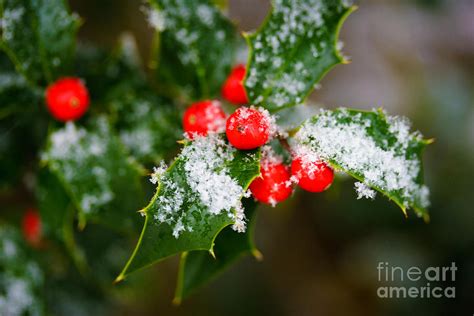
[
  {"x": 54, "y": 204},
  {"x": 57, "y": 216},
  {"x": 22, "y": 128},
  {"x": 197, "y": 45},
  {"x": 103, "y": 70},
  {"x": 147, "y": 124},
  {"x": 39, "y": 37},
  {"x": 199, "y": 267},
  {"x": 292, "y": 50},
  {"x": 197, "y": 196},
  {"x": 94, "y": 169},
  {"x": 21, "y": 278},
  {"x": 376, "y": 149}
]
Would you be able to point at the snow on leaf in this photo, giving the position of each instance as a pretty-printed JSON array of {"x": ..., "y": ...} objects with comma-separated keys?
[
  {"x": 21, "y": 279},
  {"x": 39, "y": 37},
  {"x": 148, "y": 125},
  {"x": 196, "y": 198},
  {"x": 363, "y": 191},
  {"x": 292, "y": 50},
  {"x": 198, "y": 45},
  {"x": 94, "y": 169},
  {"x": 378, "y": 150}
]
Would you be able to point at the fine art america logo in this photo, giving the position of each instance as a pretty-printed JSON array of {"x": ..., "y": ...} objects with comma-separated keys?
[{"x": 416, "y": 282}]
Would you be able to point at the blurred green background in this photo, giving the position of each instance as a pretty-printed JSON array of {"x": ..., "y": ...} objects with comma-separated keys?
[{"x": 321, "y": 251}]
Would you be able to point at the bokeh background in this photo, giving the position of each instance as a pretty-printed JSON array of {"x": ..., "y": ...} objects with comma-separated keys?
[{"x": 413, "y": 58}]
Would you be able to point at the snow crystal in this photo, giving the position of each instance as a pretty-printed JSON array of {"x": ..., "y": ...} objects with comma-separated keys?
[
  {"x": 77, "y": 155},
  {"x": 8, "y": 80},
  {"x": 206, "y": 14},
  {"x": 138, "y": 140},
  {"x": 292, "y": 23},
  {"x": 9, "y": 18},
  {"x": 18, "y": 297},
  {"x": 343, "y": 138},
  {"x": 9, "y": 248},
  {"x": 155, "y": 18},
  {"x": 179, "y": 15},
  {"x": 216, "y": 188},
  {"x": 178, "y": 228},
  {"x": 19, "y": 279},
  {"x": 158, "y": 172},
  {"x": 212, "y": 191},
  {"x": 65, "y": 140},
  {"x": 269, "y": 157},
  {"x": 363, "y": 191},
  {"x": 268, "y": 121}
]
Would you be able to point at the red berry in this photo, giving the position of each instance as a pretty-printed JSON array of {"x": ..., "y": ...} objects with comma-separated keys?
[
  {"x": 248, "y": 128},
  {"x": 274, "y": 185},
  {"x": 233, "y": 89},
  {"x": 31, "y": 226},
  {"x": 313, "y": 176},
  {"x": 203, "y": 117},
  {"x": 67, "y": 99}
]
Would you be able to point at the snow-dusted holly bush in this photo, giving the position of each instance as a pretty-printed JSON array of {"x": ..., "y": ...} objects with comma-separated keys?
[{"x": 97, "y": 171}]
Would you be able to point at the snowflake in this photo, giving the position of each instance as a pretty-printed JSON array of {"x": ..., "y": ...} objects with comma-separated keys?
[{"x": 363, "y": 191}]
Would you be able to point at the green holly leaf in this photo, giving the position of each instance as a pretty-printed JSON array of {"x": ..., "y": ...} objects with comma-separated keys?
[
  {"x": 57, "y": 215},
  {"x": 147, "y": 124},
  {"x": 39, "y": 37},
  {"x": 53, "y": 203},
  {"x": 103, "y": 70},
  {"x": 199, "y": 267},
  {"x": 197, "y": 45},
  {"x": 292, "y": 50},
  {"x": 21, "y": 278},
  {"x": 94, "y": 169},
  {"x": 22, "y": 128},
  {"x": 376, "y": 149},
  {"x": 197, "y": 196}
]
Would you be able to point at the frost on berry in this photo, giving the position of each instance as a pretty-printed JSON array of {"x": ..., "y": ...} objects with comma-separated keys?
[
  {"x": 202, "y": 118},
  {"x": 311, "y": 173},
  {"x": 249, "y": 128},
  {"x": 199, "y": 182},
  {"x": 274, "y": 184},
  {"x": 377, "y": 148}
]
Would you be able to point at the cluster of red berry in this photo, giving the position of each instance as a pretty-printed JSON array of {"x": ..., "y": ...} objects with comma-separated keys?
[{"x": 249, "y": 128}]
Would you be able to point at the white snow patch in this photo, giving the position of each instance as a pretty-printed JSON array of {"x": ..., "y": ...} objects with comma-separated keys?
[
  {"x": 363, "y": 191},
  {"x": 212, "y": 191},
  {"x": 155, "y": 18},
  {"x": 342, "y": 137},
  {"x": 72, "y": 152}
]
